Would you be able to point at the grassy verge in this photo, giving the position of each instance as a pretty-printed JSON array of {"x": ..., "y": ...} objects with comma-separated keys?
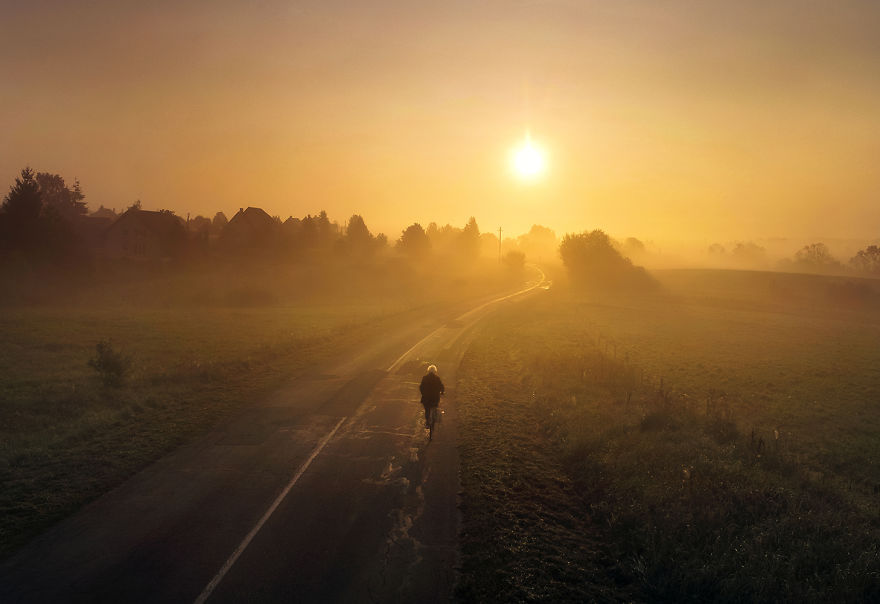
[
  {"x": 715, "y": 447},
  {"x": 65, "y": 438},
  {"x": 527, "y": 533}
]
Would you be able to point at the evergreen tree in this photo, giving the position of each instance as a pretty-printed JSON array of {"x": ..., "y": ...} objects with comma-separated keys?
[
  {"x": 20, "y": 213},
  {"x": 414, "y": 242}
]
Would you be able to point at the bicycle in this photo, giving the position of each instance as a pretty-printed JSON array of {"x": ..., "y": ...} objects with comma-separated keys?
[{"x": 433, "y": 418}]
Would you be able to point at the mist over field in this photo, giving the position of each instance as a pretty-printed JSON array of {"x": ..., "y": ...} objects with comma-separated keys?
[{"x": 498, "y": 302}]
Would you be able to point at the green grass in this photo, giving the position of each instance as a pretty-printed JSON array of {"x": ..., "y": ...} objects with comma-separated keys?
[
  {"x": 66, "y": 438},
  {"x": 750, "y": 474},
  {"x": 203, "y": 344}
]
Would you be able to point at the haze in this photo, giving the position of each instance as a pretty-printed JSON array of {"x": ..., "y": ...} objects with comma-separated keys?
[{"x": 660, "y": 119}]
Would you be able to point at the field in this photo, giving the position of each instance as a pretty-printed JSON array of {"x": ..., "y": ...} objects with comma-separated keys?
[
  {"x": 713, "y": 441},
  {"x": 202, "y": 345},
  {"x": 66, "y": 437}
]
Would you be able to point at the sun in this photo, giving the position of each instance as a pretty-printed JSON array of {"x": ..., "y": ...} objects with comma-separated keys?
[{"x": 527, "y": 160}]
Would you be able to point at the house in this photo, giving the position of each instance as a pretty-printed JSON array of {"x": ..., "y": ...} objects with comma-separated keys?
[
  {"x": 103, "y": 212},
  {"x": 251, "y": 229},
  {"x": 90, "y": 230},
  {"x": 146, "y": 236}
]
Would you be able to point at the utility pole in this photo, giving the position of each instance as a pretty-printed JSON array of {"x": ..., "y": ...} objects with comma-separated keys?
[{"x": 499, "y": 244}]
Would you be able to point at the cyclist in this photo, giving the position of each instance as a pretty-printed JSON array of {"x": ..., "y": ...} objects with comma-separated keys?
[{"x": 431, "y": 389}]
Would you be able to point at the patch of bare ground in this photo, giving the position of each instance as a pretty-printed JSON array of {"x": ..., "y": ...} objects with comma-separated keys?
[{"x": 526, "y": 533}]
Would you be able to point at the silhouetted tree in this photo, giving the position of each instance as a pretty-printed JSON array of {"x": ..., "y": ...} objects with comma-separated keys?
[
  {"x": 445, "y": 239},
  {"x": 469, "y": 245},
  {"x": 749, "y": 254},
  {"x": 327, "y": 231},
  {"x": 57, "y": 197},
  {"x": 218, "y": 222},
  {"x": 592, "y": 259},
  {"x": 135, "y": 206},
  {"x": 308, "y": 232},
  {"x": 717, "y": 250},
  {"x": 816, "y": 257},
  {"x": 633, "y": 247},
  {"x": 515, "y": 260},
  {"x": 37, "y": 216},
  {"x": 867, "y": 260},
  {"x": 539, "y": 242},
  {"x": 21, "y": 212},
  {"x": 414, "y": 242},
  {"x": 199, "y": 228},
  {"x": 358, "y": 241},
  {"x": 489, "y": 245},
  {"x": 357, "y": 231}
]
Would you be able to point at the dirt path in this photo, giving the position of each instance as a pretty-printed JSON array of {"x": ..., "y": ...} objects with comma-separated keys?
[{"x": 329, "y": 491}]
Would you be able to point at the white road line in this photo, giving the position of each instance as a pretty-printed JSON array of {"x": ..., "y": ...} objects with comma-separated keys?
[
  {"x": 209, "y": 589},
  {"x": 206, "y": 593},
  {"x": 400, "y": 359}
]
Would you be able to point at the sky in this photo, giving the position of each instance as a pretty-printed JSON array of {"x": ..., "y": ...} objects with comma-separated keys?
[{"x": 660, "y": 119}]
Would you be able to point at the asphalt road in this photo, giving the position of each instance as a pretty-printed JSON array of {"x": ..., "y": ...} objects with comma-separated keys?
[{"x": 327, "y": 492}]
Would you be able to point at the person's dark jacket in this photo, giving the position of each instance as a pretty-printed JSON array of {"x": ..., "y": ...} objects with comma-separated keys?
[{"x": 431, "y": 389}]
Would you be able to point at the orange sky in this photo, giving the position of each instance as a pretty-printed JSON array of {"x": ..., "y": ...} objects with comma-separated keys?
[{"x": 662, "y": 119}]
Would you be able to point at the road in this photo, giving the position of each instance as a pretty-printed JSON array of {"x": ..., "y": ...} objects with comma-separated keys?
[{"x": 326, "y": 492}]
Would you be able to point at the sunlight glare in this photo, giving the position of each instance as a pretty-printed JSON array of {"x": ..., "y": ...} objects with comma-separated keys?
[{"x": 527, "y": 160}]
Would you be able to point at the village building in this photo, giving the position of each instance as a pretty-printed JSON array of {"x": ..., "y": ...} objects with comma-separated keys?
[
  {"x": 103, "y": 212},
  {"x": 251, "y": 229},
  {"x": 145, "y": 235},
  {"x": 90, "y": 230}
]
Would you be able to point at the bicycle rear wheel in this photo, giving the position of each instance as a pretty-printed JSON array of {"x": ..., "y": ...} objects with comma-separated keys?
[{"x": 432, "y": 422}]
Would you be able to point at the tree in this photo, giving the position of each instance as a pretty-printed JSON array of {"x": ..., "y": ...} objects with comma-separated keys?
[
  {"x": 591, "y": 259},
  {"x": 327, "y": 231},
  {"x": 816, "y": 257},
  {"x": 200, "y": 227},
  {"x": 36, "y": 218},
  {"x": 58, "y": 198},
  {"x": 514, "y": 260},
  {"x": 867, "y": 260},
  {"x": 357, "y": 233},
  {"x": 470, "y": 239},
  {"x": 414, "y": 242},
  {"x": 749, "y": 254},
  {"x": 539, "y": 242},
  {"x": 357, "y": 241},
  {"x": 633, "y": 247},
  {"x": 717, "y": 250},
  {"x": 21, "y": 212},
  {"x": 445, "y": 239},
  {"x": 219, "y": 222}
]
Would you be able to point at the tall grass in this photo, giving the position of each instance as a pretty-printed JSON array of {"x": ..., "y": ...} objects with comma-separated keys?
[{"x": 710, "y": 482}]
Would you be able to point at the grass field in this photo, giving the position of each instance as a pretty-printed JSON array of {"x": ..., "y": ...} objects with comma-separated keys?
[
  {"x": 67, "y": 438},
  {"x": 203, "y": 344},
  {"x": 714, "y": 441}
]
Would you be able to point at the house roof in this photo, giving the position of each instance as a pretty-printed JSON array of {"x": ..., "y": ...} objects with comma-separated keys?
[
  {"x": 160, "y": 224},
  {"x": 252, "y": 218},
  {"x": 103, "y": 212}
]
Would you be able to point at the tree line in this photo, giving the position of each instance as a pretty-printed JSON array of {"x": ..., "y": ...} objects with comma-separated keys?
[
  {"x": 45, "y": 222},
  {"x": 811, "y": 258}
]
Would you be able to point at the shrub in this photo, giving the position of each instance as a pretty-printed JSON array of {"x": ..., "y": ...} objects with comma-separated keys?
[
  {"x": 514, "y": 260},
  {"x": 111, "y": 364},
  {"x": 592, "y": 260}
]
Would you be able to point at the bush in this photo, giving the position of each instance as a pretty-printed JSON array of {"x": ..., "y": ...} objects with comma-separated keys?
[
  {"x": 514, "y": 260},
  {"x": 592, "y": 260},
  {"x": 111, "y": 364}
]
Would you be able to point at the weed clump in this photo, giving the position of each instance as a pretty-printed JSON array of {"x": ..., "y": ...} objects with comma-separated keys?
[{"x": 111, "y": 364}]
